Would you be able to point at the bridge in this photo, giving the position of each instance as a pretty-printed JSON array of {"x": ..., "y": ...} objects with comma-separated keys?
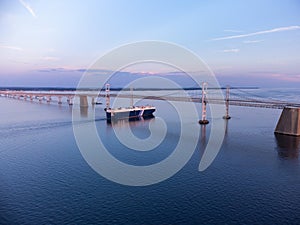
[
  {"x": 289, "y": 122},
  {"x": 195, "y": 95}
]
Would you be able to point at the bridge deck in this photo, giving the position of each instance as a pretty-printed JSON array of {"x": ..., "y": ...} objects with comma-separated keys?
[{"x": 232, "y": 101}]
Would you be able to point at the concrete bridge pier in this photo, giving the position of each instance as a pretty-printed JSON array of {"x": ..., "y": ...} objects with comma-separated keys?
[
  {"x": 70, "y": 100},
  {"x": 59, "y": 100},
  {"x": 289, "y": 122},
  {"x": 83, "y": 101}
]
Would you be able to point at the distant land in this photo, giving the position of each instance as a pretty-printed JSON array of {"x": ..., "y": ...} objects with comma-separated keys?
[{"x": 102, "y": 89}]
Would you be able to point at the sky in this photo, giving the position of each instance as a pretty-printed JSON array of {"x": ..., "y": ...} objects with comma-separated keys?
[{"x": 245, "y": 43}]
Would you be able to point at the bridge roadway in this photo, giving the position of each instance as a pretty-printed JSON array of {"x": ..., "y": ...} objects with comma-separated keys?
[{"x": 69, "y": 96}]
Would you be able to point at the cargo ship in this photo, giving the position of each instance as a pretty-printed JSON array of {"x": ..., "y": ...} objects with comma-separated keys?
[{"x": 131, "y": 112}]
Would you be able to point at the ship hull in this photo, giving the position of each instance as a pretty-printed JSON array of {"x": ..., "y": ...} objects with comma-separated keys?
[{"x": 129, "y": 114}]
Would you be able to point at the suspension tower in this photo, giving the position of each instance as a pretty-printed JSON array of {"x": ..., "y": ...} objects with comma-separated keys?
[
  {"x": 227, "y": 117},
  {"x": 107, "y": 96},
  {"x": 203, "y": 120}
]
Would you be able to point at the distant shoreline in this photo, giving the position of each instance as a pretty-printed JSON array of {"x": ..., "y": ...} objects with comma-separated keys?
[{"x": 112, "y": 88}]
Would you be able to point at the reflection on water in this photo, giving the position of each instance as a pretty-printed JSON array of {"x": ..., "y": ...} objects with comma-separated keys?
[
  {"x": 226, "y": 135},
  {"x": 226, "y": 126},
  {"x": 203, "y": 136},
  {"x": 132, "y": 121},
  {"x": 288, "y": 146},
  {"x": 84, "y": 112}
]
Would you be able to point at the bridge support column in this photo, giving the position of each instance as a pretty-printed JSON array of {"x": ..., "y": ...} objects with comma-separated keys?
[
  {"x": 49, "y": 99},
  {"x": 59, "y": 100},
  {"x": 31, "y": 97},
  {"x": 83, "y": 101},
  {"x": 40, "y": 99},
  {"x": 227, "y": 117},
  {"x": 70, "y": 100},
  {"x": 289, "y": 122},
  {"x": 203, "y": 120}
]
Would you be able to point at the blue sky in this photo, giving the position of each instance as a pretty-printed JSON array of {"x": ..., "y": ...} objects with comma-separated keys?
[{"x": 251, "y": 43}]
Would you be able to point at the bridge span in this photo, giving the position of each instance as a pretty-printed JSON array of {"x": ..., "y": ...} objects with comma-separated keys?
[
  {"x": 91, "y": 97},
  {"x": 289, "y": 122}
]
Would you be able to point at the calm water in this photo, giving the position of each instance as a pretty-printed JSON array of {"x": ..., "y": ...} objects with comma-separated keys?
[{"x": 255, "y": 178}]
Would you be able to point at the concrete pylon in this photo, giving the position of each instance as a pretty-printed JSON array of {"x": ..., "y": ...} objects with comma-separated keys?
[
  {"x": 70, "y": 100},
  {"x": 83, "y": 101},
  {"x": 59, "y": 100},
  {"x": 289, "y": 122}
]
